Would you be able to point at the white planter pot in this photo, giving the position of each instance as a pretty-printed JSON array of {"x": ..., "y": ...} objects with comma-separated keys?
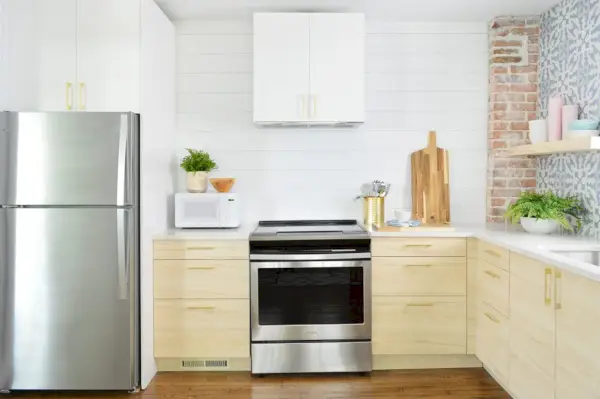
[
  {"x": 197, "y": 182},
  {"x": 539, "y": 226}
]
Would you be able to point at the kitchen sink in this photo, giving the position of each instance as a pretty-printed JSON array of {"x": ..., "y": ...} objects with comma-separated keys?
[{"x": 587, "y": 256}]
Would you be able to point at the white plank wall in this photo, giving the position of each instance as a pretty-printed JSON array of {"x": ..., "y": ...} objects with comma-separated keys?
[{"x": 419, "y": 77}]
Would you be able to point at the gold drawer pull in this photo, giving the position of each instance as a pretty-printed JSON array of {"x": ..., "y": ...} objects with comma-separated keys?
[
  {"x": 492, "y": 318},
  {"x": 558, "y": 290},
  {"x": 421, "y": 304},
  {"x": 418, "y": 245},
  {"x": 492, "y": 274},
  {"x": 547, "y": 289},
  {"x": 200, "y": 248},
  {"x": 201, "y": 268},
  {"x": 201, "y": 307},
  {"x": 422, "y": 265},
  {"x": 493, "y": 253}
]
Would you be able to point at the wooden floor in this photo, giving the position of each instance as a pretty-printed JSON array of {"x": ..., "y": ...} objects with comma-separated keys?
[{"x": 430, "y": 384}]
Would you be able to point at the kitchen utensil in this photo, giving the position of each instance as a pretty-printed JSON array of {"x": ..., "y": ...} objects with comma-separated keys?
[
  {"x": 222, "y": 185},
  {"x": 570, "y": 113},
  {"x": 555, "y": 105},
  {"x": 373, "y": 211},
  {"x": 584, "y": 124},
  {"x": 575, "y": 134},
  {"x": 430, "y": 184},
  {"x": 538, "y": 131}
]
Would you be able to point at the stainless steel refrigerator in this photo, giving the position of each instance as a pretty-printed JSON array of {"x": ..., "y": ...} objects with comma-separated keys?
[{"x": 69, "y": 251}]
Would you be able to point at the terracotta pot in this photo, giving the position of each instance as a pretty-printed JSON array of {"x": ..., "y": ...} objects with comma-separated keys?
[{"x": 197, "y": 182}]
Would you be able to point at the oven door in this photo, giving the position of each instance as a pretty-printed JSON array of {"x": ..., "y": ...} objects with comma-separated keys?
[{"x": 310, "y": 300}]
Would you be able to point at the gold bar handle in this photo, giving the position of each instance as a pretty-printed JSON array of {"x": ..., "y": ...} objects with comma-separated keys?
[
  {"x": 492, "y": 318},
  {"x": 423, "y": 265},
  {"x": 547, "y": 289},
  {"x": 201, "y": 268},
  {"x": 557, "y": 292},
  {"x": 420, "y": 304},
  {"x": 69, "y": 96},
  {"x": 492, "y": 274},
  {"x": 82, "y": 96},
  {"x": 201, "y": 308},
  {"x": 200, "y": 248},
  {"x": 418, "y": 245},
  {"x": 493, "y": 253}
]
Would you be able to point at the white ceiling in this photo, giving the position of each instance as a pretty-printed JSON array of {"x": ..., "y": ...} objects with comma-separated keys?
[{"x": 400, "y": 10}]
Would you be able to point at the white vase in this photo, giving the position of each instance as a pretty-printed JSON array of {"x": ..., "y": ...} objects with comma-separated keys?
[
  {"x": 197, "y": 182},
  {"x": 539, "y": 226}
]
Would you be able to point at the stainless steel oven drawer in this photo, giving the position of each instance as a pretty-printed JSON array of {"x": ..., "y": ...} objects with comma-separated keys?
[{"x": 313, "y": 357}]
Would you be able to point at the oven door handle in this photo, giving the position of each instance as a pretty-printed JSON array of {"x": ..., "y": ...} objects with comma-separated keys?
[
  {"x": 312, "y": 257},
  {"x": 311, "y": 264}
]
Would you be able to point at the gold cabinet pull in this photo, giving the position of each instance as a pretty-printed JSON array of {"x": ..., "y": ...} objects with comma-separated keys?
[
  {"x": 422, "y": 265},
  {"x": 492, "y": 318},
  {"x": 200, "y": 248},
  {"x": 418, "y": 245},
  {"x": 69, "y": 96},
  {"x": 201, "y": 268},
  {"x": 493, "y": 253},
  {"x": 201, "y": 307},
  {"x": 492, "y": 274},
  {"x": 547, "y": 289},
  {"x": 558, "y": 290},
  {"x": 428, "y": 304},
  {"x": 82, "y": 96}
]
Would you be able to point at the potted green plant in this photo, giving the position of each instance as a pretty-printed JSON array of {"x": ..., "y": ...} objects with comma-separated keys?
[
  {"x": 542, "y": 213},
  {"x": 197, "y": 164}
]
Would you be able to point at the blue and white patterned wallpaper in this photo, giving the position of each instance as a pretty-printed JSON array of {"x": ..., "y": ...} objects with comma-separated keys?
[{"x": 570, "y": 66}]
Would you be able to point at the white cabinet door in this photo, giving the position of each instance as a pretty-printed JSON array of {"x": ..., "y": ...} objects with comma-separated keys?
[
  {"x": 109, "y": 33},
  {"x": 39, "y": 52},
  {"x": 281, "y": 64},
  {"x": 337, "y": 67}
]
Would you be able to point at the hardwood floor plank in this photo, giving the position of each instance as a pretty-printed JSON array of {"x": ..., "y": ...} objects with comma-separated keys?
[{"x": 407, "y": 384}]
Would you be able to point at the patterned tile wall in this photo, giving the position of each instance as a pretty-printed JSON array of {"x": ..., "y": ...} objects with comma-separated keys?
[{"x": 570, "y": 66}]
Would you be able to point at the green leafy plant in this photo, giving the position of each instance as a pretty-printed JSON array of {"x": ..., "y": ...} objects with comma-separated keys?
[
  {"x": 546, "y": 206},
  {"x": 197, "y": 161}
]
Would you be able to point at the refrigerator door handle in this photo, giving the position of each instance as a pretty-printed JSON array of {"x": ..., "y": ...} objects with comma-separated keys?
[
  {"x": 122, "y": 166},
  {"x": 123, "y": 258}
]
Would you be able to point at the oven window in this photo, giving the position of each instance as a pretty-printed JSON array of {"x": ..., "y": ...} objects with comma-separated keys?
[{"x": 297, "y": 296}]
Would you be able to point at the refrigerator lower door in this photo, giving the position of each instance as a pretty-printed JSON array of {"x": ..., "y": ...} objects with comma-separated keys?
[{"x": 67, "y": 299}]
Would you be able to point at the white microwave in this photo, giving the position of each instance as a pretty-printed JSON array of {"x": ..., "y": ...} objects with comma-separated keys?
[{"x": 208, "y": 210}]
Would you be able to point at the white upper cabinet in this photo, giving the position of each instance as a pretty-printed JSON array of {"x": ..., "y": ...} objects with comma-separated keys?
[
  {"x": 108, "y": 55},
  {"x": 309, "y": 68}
]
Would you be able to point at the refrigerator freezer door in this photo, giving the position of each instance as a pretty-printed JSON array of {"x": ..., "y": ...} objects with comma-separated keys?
[
  {"x": 69, "y": 158},
  {"x": 64, "y": 323}
]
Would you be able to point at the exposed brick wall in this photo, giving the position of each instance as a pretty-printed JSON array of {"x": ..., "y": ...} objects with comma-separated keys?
[{"x": 514, "y": 57}]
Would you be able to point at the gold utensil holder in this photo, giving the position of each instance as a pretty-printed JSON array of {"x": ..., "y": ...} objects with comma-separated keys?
[{"x": 373, "y": 211}]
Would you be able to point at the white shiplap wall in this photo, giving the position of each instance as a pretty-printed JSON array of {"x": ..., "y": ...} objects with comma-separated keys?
[{"x": 419, "y": 77}]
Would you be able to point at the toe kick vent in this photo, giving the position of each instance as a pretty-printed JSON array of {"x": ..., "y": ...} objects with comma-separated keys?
[{"x": 204, "y": 364}]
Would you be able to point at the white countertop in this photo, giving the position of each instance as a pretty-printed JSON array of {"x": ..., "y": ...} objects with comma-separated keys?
[{"x": 535, "y": 246}]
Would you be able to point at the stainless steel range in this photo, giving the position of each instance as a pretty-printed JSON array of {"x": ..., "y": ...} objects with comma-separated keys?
[{"x": 310, "y": 296}]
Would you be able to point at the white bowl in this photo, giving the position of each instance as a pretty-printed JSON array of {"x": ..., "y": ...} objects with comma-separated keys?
[
  {"x": 575, "y": 134},
  {"x": 539, "y": 226}
]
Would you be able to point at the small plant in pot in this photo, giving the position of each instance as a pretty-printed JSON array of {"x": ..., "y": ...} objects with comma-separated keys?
[
  {"x": 542, "y": 213},
  {"x": 197, "y": 164}
]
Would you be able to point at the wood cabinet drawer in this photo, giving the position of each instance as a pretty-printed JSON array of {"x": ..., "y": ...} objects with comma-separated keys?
[
  {"x": 493, "y": 333},
  {"x": 419, "y": 276},
  {"x": 215, "y": 278},
  {"x": 201, "y": 328},
  {"x": 494, "y": 255},
  {"x": 419, "y": 325},
  {"x": 205, "y": 249},
  {"x": 494, "y": 287},
  {"x": 391, "y": 246}
]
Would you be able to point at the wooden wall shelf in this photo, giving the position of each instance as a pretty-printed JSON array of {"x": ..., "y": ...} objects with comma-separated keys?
[{"x": 553, "y": 147}]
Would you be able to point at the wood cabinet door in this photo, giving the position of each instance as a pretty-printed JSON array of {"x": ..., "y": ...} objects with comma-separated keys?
[
  {"x": 281, "y": 67},
  {"x": 493, "y": 341},
  {"x": 337, "y": 67},
  {"x": 577, "y": 337},
  {"x": 108, "y": 55},
  {"x": 532, "y": 329}
]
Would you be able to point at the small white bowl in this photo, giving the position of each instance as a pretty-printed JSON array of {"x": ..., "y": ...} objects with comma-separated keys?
[
  {"x": 575, "y": 134},
  {"x": 539, "y": 226}
]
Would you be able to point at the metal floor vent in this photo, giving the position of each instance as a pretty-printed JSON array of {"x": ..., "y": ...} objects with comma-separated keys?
[{"x": 203, "y": 364}]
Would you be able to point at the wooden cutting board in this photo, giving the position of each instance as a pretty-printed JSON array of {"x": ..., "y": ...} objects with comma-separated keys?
[{"x": 430, "y": 184}]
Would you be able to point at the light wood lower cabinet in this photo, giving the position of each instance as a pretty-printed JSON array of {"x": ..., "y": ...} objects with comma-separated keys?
[
  {"x": 205, "y": 249},
  {"x": 494, "y": 287},
  {"x": 201, "y": 328},
  {"x": 577, "y": 337},
  {"x": 419, "y": 325},
  {"x": 472, "y": 293},
  {"x": 493, "y": 334},
  {"x": 401, "y": 247},
  {"x": 532, "y": 329}
]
